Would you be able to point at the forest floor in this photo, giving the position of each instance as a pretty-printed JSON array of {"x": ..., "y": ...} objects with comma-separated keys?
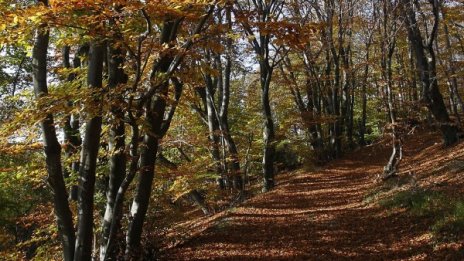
[{"x": 334, "y": 213}]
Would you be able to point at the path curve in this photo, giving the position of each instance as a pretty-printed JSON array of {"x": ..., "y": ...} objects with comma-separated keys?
[{"x": 319, "y": 215}]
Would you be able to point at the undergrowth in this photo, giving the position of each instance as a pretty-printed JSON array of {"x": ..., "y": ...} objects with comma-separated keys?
[{"x": 447, "y": 212}]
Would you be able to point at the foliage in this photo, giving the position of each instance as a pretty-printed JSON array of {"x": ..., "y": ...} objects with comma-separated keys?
[
  {"x": 22, "y": 189},
  {"x": 290, "y": 155}
]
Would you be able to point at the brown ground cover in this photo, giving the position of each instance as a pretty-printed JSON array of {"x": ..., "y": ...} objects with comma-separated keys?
[{"x": 327, "y": 215}]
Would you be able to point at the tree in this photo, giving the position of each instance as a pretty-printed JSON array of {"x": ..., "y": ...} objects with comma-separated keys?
[
  {"x": 426, "y": 67},
  {"x": 259, "y": 35},
  {"x": 52, "y": 147}
]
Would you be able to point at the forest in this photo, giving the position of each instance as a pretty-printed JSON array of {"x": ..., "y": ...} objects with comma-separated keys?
[{"x": 231, "y": 130}]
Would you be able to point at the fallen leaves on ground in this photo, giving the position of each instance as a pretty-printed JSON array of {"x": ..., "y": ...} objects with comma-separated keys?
[{"x": 324, "y": 215}]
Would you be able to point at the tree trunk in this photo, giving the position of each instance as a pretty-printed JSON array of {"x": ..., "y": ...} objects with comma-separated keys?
[
  {"x": 312, "y": 107},
  {"x": 213, "y": 126},
  {"x": 88, "y": 162},
  {"x": 268, "y": 132},
  {"x": 224, "y": 109},
  {"x": 362, "y": 127},
  {"x": 117, "y": 144},
  {"x": 338, "y": 124},
  {"x": 153, "y": 118},
  {"x": 119, "y": 199},
  {"x": 430, "y": 91},
  {"x": 387, "y": 51},
  {"x": 451, "y": 68},
  {"x": 156, "y": 127},
  {"x": 397, "y": 153},
  {"x": 52, "y": 147},
  {"x": 155, "y": 109},
  {"x": 71, "y": 128},
  {"x": 452, "y": 87}
]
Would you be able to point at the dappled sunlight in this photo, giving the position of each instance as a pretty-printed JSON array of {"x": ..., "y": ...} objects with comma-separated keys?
[{"x": 319, "y": 215}]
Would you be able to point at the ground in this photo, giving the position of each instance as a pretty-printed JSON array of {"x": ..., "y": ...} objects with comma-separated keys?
[{"x": 332, "y": 213}]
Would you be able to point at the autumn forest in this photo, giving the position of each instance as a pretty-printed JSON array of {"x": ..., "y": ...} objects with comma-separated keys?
[{"x": 231, "y": 130}]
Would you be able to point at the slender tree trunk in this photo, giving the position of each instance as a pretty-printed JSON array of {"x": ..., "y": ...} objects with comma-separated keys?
[
  {"x": 397, "y": 152},
  {"x": 211, "y": 120},
  {"x": 452, "y": 88},
  {"x": 451, "y": 68},
  {"x": 156, "y": 127},
  {"x": 388, "y": 28},
  {"x": 52, "y": 147},
  {"x": 268, "y": 132},
  {"x": 414, "y": 91},
  {"x": 224, "y": 109},
  {"x": 362, "y": 128},
  {"x": 261, "y": 46},
  {"x": 213, "y": 126},
  {"x": 119, "y": 199},
  {"x": 117, "y": 144},
  {"x": 88, "y": 162},
  {"x": 155, "y": 109},
  {"x": 338, "y": 124},
  {"x": 142, "y": 197},
  {"x": 347, "y": 90},
  {"x": 311, "y": 109},
  {"x": 71, "y": 128}
]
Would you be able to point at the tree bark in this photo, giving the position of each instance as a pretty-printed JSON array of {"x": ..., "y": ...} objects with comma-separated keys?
[
  {"x": 52, "y": 147},
  {"x": 155, "y": 109},
  {"x": 119, "y": 199},
  {"x": 362, "y": 127},
  {"x": 88, "y": 162},
  {"x": 224, "y": 109},
  {"x": 154, "y": 103},
  {"x": 427, "y": 69},
  {"x": 451, "y": 68},
  {"x": 268, "y": 132},
  {"x": 117, "y": 170},
  {"x": 71, "y": 127},
  {"x": 213, "y": 124}
]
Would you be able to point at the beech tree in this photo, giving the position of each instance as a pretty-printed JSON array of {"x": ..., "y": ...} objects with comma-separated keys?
[
  {"x": 260, "y": 36},
  {"x": 426, "y": 67}
]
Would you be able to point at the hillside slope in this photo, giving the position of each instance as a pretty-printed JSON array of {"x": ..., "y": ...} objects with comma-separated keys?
[{"x": 334, "y": 213}]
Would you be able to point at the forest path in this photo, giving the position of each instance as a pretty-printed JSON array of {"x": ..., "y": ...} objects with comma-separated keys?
[{"x": 321, "y": 215}]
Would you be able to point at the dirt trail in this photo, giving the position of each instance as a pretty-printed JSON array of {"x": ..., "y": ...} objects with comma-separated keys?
[{"x": 319, "y": 215}]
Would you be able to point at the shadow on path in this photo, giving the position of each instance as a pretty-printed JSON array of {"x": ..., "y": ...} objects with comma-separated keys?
[{"x": 314, "y": 216}]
